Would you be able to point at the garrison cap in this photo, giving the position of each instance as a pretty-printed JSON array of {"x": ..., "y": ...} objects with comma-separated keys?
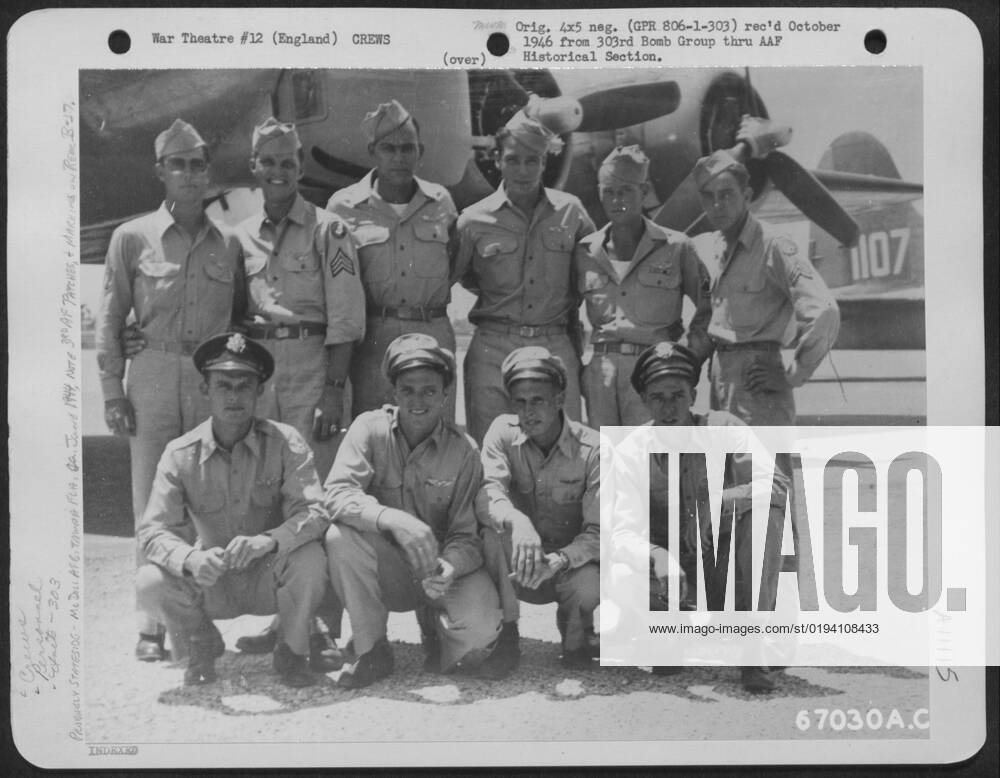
[
  {"x": 233, "y": 352},
  {"x": 416, "y": 349},
  {"x": 387, "y": 118},
  {"x": 533, "y": 134},
  {"x": 272, "y": 130},
  {"x": 665, "y": 359},
  {"x": 626, "y": 164},
  {"x": 177, "y": 138},
  {"x": 715, "y": 164},
  {"x": 533, "y": 362}
]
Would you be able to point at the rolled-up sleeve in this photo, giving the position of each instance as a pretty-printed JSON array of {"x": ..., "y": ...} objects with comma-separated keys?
[
  {"x": 166, "y": 532},
  {"x": 351, "y": 474},
  {"x": 462, "y": 547},
  {"x": 696, "y": 287},
  {"x": 464, "y": 250},
  {"x": 116, "y": 303},
  {"x": 817, "y": 317},
  {"x": 301, "y": 498},
  {"x": 345, "y": 298}
]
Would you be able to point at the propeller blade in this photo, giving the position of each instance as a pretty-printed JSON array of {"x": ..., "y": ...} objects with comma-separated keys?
[
  {"x": 805, "y": 191},
  {"x": 625, "y": 106},
  {"x": 682, "y": 210}
]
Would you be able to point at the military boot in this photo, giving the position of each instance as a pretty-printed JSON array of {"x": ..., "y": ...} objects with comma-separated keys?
[
  {"x": 206, "y": 645},
  {"x": 506, "y": 654}
]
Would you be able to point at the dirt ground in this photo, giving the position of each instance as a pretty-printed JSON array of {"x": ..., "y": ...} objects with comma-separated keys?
[{"x": 131, "y": 702}]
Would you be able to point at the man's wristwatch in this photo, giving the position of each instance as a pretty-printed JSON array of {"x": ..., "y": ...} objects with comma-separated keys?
[{"x": 563, "y": 561}]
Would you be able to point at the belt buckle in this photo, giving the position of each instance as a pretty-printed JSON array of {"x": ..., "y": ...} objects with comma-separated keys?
[
  {"x": 630, "y": 349},
  {"x": 526, "y": 331},
  {"x": 282, "y": 332}
]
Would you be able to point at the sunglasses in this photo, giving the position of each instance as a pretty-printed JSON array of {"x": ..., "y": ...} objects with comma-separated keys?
[{"x": 179, "y": 165}]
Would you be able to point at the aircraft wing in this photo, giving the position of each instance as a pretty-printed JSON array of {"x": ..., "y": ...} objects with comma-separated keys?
[{"x": 857, "y": 193}]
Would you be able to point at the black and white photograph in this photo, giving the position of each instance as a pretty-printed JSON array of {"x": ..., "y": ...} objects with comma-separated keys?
[{"x": 340, "y": 341}]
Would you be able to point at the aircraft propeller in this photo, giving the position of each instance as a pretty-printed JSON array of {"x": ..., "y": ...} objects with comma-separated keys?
[{"x": 608, "y": 109}]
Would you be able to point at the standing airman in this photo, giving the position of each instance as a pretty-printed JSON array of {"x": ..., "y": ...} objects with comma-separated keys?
[
  {"x": 634, "y": 275},
  {"x": 515, "y": 252},
  {"x": 402, "y": 227},
  {"x": 175, "y": 271}
]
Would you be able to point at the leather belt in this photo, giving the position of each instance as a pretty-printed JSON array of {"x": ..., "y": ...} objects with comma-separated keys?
[
  {"x": 524, "y": 330},
  {"x": 618, "y": 347},
  {"x": 183, "y": 347},
  {"x": 407, "y": 312},
  {"x": 285, "y": 331},
  {"x": 753, "y": 345}
]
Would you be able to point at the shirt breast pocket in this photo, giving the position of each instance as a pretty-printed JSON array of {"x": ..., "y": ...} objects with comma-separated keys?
[
  {"x": 430, "y": 258},
  {"x": 302, "y": 281},
  {"x": 744, "y": 295},
  {"x": 439, "y": 492},
  {"x": 156, "y": 275},
  {"x": 558, "y": 243},
  {"x": 372, "y": 241},
  {"x": 568, "y": 492},
  {"x": 499, "y": 262},
  {"x": 658, "y": 295}
]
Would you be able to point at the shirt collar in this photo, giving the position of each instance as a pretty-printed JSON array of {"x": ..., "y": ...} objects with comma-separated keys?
[
  {"x": 209, "y": 445},
  {"x": 566, "y": 442},
  {"x": 437, "y": 434},
  {"x": 499, "y": 199},
  {"x": 371, "y": 190},
  {"x": 163, "y": 220},
  {"x": 297, "y": 213}
]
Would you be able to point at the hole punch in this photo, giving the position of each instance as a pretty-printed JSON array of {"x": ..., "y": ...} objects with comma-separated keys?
[
  {"x": 498, "y": 44},
  {"x": 119, "y": 42},
  {"x": 875, "y": 41}
]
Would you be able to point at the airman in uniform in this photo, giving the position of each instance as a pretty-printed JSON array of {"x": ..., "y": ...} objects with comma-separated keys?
[
  {"x": 764, "y": 295},
  {"x": 305, "y": 305},
  {"x": 401, "y": 494},
  {"x": 515, "y": 252},
  {"x": 633, "y": 276},
  {"x": 402, "y": 226},
  {"x": 665, "y": 376},
  {"x": 233, "y": 520},
  {"x": 540, "y": 511},
  {"x": 175, "y": 271}
]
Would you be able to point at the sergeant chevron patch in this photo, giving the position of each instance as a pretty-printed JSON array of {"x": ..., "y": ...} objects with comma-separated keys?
[{"x": 341, "y": 263}]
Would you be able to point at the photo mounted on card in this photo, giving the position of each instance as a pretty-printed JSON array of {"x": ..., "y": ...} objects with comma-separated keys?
[{"x": 497, "y": 387}]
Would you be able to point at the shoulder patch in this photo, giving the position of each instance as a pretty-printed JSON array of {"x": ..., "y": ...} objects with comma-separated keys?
[
  {"x": 339, "y": 230},
  {"x": 786, "y": 246}
]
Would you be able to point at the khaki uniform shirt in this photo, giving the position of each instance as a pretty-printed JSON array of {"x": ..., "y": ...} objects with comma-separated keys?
[
  {"x": 645, "y": 307},
  {"x": 181, "y": 289},
  {"x": 520, "y": 264},
  {"x": 763, "y": 290},
  {"x": 304, "y": 269},
  {"x": 204, "y": 496},
  {"x": 436, "y": 482},
  {"x": 559, "y": 493},
  {"x": 405, "y": 259}
]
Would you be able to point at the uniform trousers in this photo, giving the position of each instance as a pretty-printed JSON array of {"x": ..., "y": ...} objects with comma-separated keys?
[
  {"x": 291, "y": 395},
  {"x": 165, "y": 392},
  {"x": 730, "y": 393},
  {"x": 371, "y": 389},
  {"x": 372, "y": 577},
  {"x": 291, "y": 585},
  {"x": 485, "y": 398},
  {"x": 577, "y": 591},
  {"x": 607, "y": 387}
]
